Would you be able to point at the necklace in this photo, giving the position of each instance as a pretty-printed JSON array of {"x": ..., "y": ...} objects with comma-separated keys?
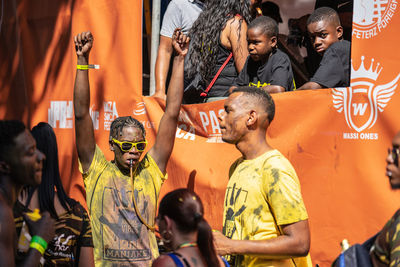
[{"x": 188, "y": 244}]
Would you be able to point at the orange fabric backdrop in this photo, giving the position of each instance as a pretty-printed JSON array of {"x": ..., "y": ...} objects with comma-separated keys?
[{"x": 343, "y": 180}]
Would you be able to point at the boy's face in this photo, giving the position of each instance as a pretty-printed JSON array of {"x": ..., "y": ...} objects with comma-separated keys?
[
  {"x": 323, "y": 34},
  {"x": 259, "y": 44}
]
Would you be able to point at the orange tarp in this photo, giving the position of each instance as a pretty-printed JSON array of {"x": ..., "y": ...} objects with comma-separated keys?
[{"x": 337, "y": 140}]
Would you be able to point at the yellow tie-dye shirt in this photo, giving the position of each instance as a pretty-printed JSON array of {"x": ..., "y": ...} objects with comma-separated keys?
[
  {"x": 254, "y": 186},
  {"x": 119, "y": 238}
]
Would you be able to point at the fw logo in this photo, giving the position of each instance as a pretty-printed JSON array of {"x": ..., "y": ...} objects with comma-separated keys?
[{"x": 364, "y": 100}]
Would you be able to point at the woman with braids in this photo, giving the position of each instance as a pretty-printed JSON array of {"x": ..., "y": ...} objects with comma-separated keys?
[
  {"x": 72, "y": 244},
  {"x": 184, "y": 230},
  {"x": 218, "y": 36}
]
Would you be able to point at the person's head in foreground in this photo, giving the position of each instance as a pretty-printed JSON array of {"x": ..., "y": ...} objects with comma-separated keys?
[
  {"x": 20, "y": 160},
  {"x": 127, "y": 141},
  {"x": 183, "y": 228},
  {"x": 248, "y": 110},
  {"x": 324, "y": 28}
]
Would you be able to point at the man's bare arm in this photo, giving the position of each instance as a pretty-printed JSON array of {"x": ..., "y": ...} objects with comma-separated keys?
[
  {"x": 84, "y": 132},
  {"x": 295, "y": 242},
  {"x": 310, "y": 85},
  {"x": 161, "y": 151},
  {"x": 162, "y": 65}
]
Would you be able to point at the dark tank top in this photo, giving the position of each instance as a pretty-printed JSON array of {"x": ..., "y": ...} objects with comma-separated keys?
[{"x": 226, "y": 77}]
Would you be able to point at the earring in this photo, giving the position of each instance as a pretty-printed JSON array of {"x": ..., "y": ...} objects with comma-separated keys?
[{"x": 166, "y": 236}]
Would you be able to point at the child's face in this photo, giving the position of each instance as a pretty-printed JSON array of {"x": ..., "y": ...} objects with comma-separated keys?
[
  {"x": 323, "y": 34},
  {"x": 259, "y": 44}
]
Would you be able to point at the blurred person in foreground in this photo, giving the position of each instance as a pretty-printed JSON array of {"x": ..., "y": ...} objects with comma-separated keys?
[
  {"x": 184, "y": 230},
  {"x": 72, "y": 244},
  {"x": 21, "y": 164},
  {"x": 386, "y": 248}
]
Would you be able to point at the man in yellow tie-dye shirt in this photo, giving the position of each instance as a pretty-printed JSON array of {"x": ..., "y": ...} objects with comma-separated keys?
[
  {"x": 123, "y": 209},
  {"x": 265, "y": 221}
]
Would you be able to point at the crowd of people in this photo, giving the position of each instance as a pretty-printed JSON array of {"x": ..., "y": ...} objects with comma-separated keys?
[
  {"x": 265, "y": 221},
  {"x": 235, "y": 44}
]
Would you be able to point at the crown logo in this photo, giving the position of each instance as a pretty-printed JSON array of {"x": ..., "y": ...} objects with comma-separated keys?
[{"x": 362, "y": 72}]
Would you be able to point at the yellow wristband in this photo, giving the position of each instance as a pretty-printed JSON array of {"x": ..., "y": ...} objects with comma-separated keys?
[
  {"x": 86, "y": 67},
  {"x": 38, "y": 247},
  {"x": 82, "y": 67}
]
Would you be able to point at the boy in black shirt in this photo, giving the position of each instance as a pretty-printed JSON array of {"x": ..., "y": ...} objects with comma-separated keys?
[
  {"x": 266, "y": 66},
  {"x": 326, "y": 35}
]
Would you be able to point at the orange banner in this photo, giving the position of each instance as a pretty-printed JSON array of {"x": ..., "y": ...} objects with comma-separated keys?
[{"x": 336, "y": 139}]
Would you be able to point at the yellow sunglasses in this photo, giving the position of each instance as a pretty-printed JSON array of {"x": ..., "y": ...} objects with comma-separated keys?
[{"x": 126, "y": 146}]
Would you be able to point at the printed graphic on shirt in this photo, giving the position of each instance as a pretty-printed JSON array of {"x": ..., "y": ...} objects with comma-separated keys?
[
  {"x": 235, "y": 197},
  {"x": 123, "y": 234},
  {"x": 259, "y": 84},
  {"x": 63, "y": 246}
]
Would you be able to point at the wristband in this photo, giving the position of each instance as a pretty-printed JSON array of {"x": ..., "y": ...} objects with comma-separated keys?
[
  {"x": 37, "y": 246},
  {"x": 40, "y": 241},
  {"x": 86, "y": 67}
]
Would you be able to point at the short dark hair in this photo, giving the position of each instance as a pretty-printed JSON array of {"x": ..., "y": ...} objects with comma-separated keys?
[
  {"x": 9, "y": 130},
  {"x": 324, "y": 14},
  {"x": 266, "y": 24},
  {"x": 119, "y": 123},
  {"x": 264, "y": 98}
]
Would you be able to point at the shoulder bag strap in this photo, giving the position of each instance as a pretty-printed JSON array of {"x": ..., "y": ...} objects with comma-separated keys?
[{"x": 205, "y": 93}]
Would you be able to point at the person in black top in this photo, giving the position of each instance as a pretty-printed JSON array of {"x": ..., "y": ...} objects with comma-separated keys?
[
  {"x": 266, "y": 67},
  {"x": 326, "y": 35}
]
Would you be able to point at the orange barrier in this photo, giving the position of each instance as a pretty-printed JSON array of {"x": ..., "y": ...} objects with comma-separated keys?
[{"x": 336, "y": 139}]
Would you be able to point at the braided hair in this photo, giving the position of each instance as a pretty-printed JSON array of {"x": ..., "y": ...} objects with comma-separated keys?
[
  {"x": 119, "y": 123},
  {"x": 205, "y": 34}
]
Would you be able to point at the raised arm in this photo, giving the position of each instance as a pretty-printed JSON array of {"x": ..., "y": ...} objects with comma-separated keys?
[
  {"x": 295, "y": 242},
  {"x": 162, "y": 65},
  {"x": 161, "y": 151},
  {"x": 84, "y": 132}
]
